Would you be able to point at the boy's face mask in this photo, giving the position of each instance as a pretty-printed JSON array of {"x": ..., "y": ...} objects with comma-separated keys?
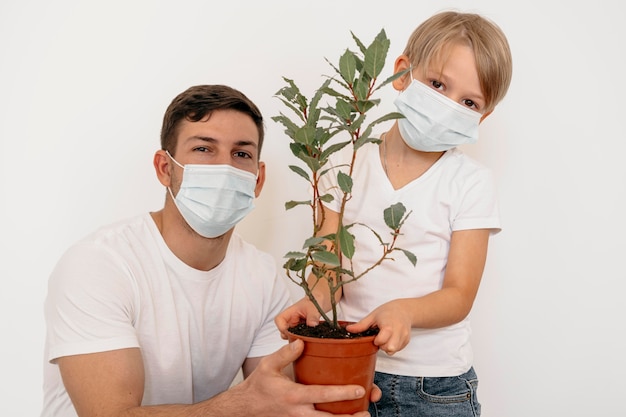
[
  {"x": 432, "y": 122},
  {"x": 214, "y": 198}
]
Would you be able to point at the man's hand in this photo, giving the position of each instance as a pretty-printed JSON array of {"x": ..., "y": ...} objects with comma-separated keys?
[{"x": 269, "y": 392}]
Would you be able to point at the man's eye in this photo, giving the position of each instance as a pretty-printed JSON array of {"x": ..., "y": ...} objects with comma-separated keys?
[
  {"x": 241, "y": 154},
  {"x": 201, "y": 149}
]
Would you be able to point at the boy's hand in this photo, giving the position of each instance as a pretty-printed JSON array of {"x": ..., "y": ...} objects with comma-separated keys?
[
  {"x": 394, "y": 326},
  {"x": 300, "y": 311}
]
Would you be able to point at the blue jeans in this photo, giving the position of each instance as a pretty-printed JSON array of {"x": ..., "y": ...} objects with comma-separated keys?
[{"x": 428, "y": 397}]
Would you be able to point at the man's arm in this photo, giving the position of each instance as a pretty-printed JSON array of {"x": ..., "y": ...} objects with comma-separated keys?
[
  {"x": 104, "y": 383},
  {"x": 110, "y": 384}
]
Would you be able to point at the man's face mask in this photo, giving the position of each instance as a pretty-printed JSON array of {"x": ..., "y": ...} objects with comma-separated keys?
[{"x": 214, "y": 198}]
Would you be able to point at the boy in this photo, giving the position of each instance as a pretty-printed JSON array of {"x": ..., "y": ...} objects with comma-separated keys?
[{"x": 459, "y": 68}]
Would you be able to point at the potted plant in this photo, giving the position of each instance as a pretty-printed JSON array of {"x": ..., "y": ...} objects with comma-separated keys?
[{"x": 317, "y": 131}]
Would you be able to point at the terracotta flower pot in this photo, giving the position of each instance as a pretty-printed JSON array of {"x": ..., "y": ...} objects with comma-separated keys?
[{"x": 337, "y": 362}]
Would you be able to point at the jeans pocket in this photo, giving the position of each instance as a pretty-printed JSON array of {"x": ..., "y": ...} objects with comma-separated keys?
[{"x": 457, "y": 395}]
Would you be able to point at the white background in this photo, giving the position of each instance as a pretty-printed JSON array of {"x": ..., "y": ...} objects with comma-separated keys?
[{"x": 83, "y": 87}]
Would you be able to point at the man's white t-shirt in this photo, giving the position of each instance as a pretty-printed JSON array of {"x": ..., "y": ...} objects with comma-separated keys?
[
  {"x": 456, "y": 193},
  {"x": 122, "y": 287}
]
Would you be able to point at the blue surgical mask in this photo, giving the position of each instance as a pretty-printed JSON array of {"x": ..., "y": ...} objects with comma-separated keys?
[
  {"x": 432, "y": 122},
  {"x": 214, "y": 198}
]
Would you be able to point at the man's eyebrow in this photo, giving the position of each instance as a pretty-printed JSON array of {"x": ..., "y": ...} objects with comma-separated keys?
[
  {"x": 244, "y": 142},
  {"x": 202, "y": 138},
  {"x": 241, "y": 142}
]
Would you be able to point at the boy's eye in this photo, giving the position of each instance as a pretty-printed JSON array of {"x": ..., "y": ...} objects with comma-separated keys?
[
  {"x": 469, "y": 103},
  {"x": 436, "y": 84}
]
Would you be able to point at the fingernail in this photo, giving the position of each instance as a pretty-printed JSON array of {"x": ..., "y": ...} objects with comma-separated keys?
[{"x": 359, "y": 392}]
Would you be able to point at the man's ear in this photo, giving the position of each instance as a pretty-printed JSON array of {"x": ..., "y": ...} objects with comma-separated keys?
[
  {"x": 161, "y": 164},
  {"x": 260, "y": 179},
  {"x": 402, "y": 63},
  {"x": 484, "y": 116}
]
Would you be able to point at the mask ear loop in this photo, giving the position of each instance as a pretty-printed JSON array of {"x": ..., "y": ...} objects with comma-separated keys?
[
  {"x": 412, "y": 79},
  {"x": 175, "y": 161},
  {"x": 169, "y": 189}
]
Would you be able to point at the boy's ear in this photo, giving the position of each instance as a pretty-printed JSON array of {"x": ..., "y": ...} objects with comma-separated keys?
[{"x": 402, "y": 63}]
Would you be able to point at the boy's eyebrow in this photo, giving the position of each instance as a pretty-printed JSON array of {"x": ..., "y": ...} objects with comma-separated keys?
[{"x": 478, "y": 95}]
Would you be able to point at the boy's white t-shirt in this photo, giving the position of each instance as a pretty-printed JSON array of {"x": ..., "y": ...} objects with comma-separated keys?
[
  {"x": 122, "y": 287},
  {"x": 456, "y": 193}
]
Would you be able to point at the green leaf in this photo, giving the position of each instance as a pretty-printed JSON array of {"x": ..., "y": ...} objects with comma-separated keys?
[
  {"x": 393, "y": 215},
  {"x": 346, "y": 242},
  {"x": 300, "y": 172},
  {"x": 291, "y": 204},
  {"x": 313, "y": 242},
  {"x": 334, "y": 93},
  {"x": 333, "y": 148},
  {"x": 356, "y": 124},
  {"x": 314, "y": 110},
  {"x": 297, "y": 148},
  {"x": 387, "y": 117},
  {"x": 305, "y": 135},
  {"x": 364, "y": 140},
  {"x": 313, "y": 163},
  {"x": 345, "y": 182},
  {"x": 295, "y": 264},
  {"x": 358, "y": 42},
  {"x": 326, "y": 198},
  {"x": 392, "y": 78},
  {"x": 364, "y": 106},
  {"x": 344, "y": 109},
  {"x": 292, "y": 94},
  {"x": 347, "y": 66},
  {"x": 410, "y": 256},
  {"x": 375, "y": 58},
  {"x": 361, "y": 89},
  {"x": 295, "y": 255},
  {"x": 327, "y": 258}
]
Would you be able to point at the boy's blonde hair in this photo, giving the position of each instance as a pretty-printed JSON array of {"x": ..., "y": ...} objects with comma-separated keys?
[{"x": 491, "y": 49}]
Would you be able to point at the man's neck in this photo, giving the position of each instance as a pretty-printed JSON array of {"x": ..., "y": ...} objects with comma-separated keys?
[{"x": 188, "y": 246}]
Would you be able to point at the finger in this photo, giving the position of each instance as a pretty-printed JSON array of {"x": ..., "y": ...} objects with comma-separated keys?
[
  {"x": 282, "y": 322},
  {"x": 327, "y": 393},
  {"x": 383, "y": 336},
  {"x": 375, "y": 394},
  {"x": 312, "y": 320},
  {"x": 390, "y": 347},
  {"x": 284, "y": 356},
  {"x": 360, "y": 326}
]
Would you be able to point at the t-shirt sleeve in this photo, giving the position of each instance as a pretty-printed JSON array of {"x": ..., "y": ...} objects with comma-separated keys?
[
  {"x": 90, "y": 303},
  {"x": 268, "y": 338},
  {"x": 478, "y": 204}
]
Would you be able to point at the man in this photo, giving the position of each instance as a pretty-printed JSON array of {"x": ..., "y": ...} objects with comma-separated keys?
[{"x": 155, "y": 315}]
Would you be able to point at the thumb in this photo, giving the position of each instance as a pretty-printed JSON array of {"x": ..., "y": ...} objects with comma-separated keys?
[
  {"x": 285, "y": 355},
  {"x": 360, "y": 326}
]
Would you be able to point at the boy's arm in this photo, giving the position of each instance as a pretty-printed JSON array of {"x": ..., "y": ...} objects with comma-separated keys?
[{"x": 449, "y": 305}]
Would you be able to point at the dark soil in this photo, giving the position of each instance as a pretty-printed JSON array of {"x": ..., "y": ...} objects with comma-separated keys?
[{"x": 325, "y": 330}]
